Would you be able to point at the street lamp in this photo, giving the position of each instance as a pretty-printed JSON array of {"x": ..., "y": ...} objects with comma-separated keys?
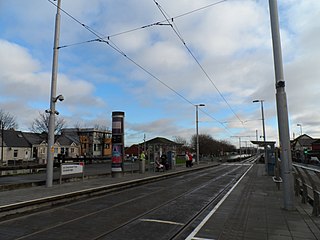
[
  {"x": 300, "y": 125},
  {"x": 264, "y": 134},
  {"x": 53, "y": 99},
  {"x": 197, "y": 129}
]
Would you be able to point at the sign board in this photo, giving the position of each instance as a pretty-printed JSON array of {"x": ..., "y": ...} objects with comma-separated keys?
[{"x": 72, "y": 168}]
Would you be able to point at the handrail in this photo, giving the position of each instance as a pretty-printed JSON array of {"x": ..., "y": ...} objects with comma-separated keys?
[
  {"x": 304, "y": 181},
  {"x": 305, "y": 167}
]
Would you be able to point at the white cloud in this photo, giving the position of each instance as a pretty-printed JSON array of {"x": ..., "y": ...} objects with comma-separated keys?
[{"x": 231, "y": 40}]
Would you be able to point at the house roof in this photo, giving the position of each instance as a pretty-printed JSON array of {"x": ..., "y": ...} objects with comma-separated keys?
[
  {"x": 64, "y": 140},
  {"x": 72, "y": 136},
  {"x": 12, "y": 138},
  {"x": 303, "y": 140},
  {"x": 317, "y": 141},
  {"x": 34, "y": 138}
]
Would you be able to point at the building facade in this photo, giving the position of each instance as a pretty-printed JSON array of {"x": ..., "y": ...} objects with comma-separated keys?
[{"x": 18, "y": 147}]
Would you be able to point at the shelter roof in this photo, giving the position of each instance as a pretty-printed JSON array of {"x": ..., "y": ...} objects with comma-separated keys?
[
  {"x": 261, "y": 143},
  {"x": 161, "y": 141}
]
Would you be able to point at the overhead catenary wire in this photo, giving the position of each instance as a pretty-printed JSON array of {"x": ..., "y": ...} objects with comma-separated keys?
[
  {"x": 159, "y": 23},
  {"x": 101, "y": 39},
  {"x": 176, "y": 31}
]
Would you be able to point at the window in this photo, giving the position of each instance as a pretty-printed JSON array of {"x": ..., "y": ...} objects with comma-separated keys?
[
  {"x": 98, "y": 147},
  {"x": 15, "y": 153},
  {"x": 42, "y": 150}
]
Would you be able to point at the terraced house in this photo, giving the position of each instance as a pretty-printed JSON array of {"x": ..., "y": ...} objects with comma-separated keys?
[{"x": 17, "y": 147}]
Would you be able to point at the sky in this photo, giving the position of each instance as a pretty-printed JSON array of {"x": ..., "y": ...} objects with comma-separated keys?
[{"x": 158, "y": 59}]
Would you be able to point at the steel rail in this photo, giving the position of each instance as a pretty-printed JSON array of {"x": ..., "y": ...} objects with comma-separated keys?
[{"x": 184, "y": 226}]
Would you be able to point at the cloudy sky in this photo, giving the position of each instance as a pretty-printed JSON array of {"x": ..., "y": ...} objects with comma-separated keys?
[{"x": 214, "y": 52}]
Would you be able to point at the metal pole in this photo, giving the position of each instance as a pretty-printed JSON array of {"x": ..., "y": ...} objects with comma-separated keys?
[
  {"x": 257, "y": 141},
  {"x": 240, "y": 152},
  {"x": 282, "y": 111},
  {"x": 197, "y": 133},
  {"x": 50, "y": 148},
  {"x": 264, "y": 138},
  {"x": 2, "y": 141},
  {"x": 197, "y": 130}
]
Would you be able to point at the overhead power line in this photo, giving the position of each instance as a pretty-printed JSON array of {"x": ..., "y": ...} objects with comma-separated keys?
[
  {"x": 159, "y": 23},
  {"x": 101, "y": 39},
  {"x": 176, "y": 31}
]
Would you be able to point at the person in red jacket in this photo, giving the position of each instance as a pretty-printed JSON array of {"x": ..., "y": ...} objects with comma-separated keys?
[{"x": 188, "y": 159}]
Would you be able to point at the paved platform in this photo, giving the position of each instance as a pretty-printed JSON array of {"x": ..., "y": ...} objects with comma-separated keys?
[{"x": 253, "y": 210}]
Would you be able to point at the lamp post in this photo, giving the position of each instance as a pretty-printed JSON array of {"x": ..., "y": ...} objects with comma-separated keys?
[
  {"x": 53, "y": 100},
  {"x": 197, "y": 129},
  {"x": 300, "y": 125},
  {"x": 264, "y": 135}
]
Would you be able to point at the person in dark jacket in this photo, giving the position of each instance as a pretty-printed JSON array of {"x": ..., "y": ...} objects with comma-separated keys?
[{"x": 164, "y": 161}]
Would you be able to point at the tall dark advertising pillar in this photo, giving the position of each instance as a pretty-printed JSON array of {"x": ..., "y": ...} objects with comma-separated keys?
[{"x": 117, "y": 144}]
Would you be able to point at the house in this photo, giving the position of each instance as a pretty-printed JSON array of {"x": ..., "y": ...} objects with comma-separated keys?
[
  {"x": 94, "y": 143},
  {"x": 66, "y": 146},
  {"x": 24, "y": 147},
  {"x": 133, "y": 150},
  {"x": 38, "y": 146},
  {"x": 302, "y": 146},
  {"x": 316, "y": 145},
  {"x": 15, "y": 149}
]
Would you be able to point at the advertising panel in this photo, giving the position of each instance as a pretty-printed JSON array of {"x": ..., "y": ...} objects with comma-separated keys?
[{"x": 117, "y": 144}]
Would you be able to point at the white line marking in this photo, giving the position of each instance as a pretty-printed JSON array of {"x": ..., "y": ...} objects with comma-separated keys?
[
  {"x": 237, "y": 164},
  {"x": 161, "y": 221},
  {"x": 197, "y": 229},
  {"x": 196, "y": 238}
]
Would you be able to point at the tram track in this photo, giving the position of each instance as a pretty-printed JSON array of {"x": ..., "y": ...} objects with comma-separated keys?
[
  {"x": 176, "y": 192},
  {"x": 182, "y": 227}
]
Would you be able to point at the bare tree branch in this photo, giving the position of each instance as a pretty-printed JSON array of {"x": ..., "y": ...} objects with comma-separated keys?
[
  {"x": 41, "y": 124},
  {"x": 9, "y": 121}
]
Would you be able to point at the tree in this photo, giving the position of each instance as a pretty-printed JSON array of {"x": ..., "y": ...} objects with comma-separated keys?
[
  {"x": 41, "y": 124},
  {"x": 210, "y": 146},
  {"x": 8, "y": 121},
  {"x": 184, "y": 144},
  {"x": 180, "y": 140}
]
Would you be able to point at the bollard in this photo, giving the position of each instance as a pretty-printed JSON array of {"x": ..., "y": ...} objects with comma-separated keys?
[{"x": 142, "y": 165}]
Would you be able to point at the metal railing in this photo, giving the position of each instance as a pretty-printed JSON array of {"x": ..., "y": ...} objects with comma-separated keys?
[{"x": 307, "y": 184}]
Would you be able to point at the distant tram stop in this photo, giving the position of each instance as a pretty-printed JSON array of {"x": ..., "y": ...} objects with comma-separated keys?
[{"x": 270, "y": 159}]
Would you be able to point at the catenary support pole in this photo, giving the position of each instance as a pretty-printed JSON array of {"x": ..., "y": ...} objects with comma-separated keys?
[
  {"x": 282, "y": 111},
  {"x": 197, "y": 134},
  {"x": 50, "y": 148},
  {"x": 2, "y": 141},
  {"x": 266, "y": 160}
]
